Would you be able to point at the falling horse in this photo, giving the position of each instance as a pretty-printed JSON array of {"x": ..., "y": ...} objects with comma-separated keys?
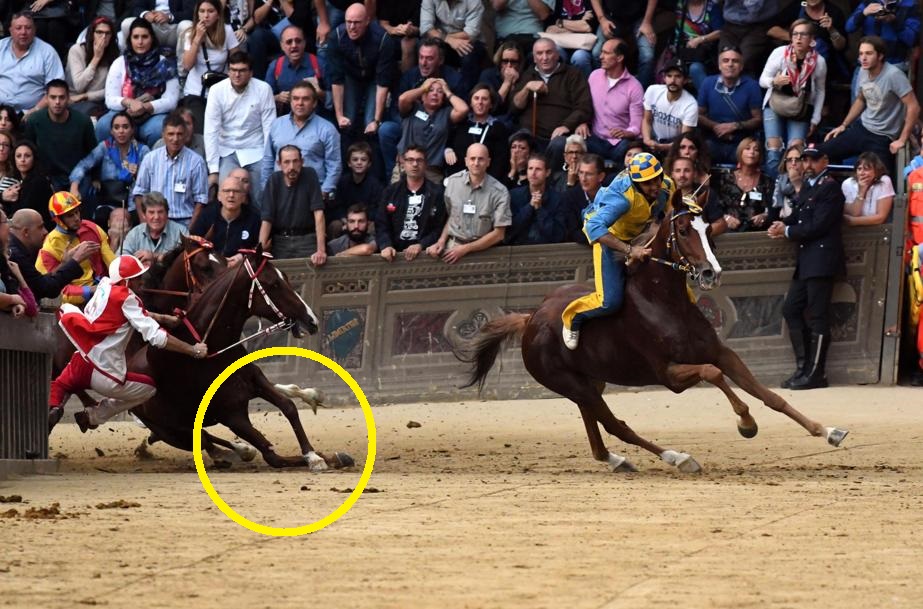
[
  {"x": 217, "y": 318},
  {"x": 658, "y": 337}
]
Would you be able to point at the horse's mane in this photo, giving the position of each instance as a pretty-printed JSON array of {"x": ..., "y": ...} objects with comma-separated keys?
[{"x": 155, "y": 275}]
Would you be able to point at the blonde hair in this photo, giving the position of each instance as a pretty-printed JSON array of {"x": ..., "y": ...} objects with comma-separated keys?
[{"x": 215, "y": 39}]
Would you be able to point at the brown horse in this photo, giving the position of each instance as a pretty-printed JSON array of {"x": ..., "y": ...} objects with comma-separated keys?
[
  {"x": 658, "y": 337},
  {"x": 255, "y": 287}
]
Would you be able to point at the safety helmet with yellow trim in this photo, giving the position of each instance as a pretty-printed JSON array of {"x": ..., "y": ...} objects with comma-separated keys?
[
  {"x": 61, "y": 203},
  {"x": 643, "y": 167}
]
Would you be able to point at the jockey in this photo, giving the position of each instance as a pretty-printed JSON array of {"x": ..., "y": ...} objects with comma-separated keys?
[
  {"x": 101, "y": 334},
  {"x": 69, "y": 232},
  {"x": 617, "y": 215}
]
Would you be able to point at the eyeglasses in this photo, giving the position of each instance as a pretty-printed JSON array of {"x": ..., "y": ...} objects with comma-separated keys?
[
  {"x": 729, "y": 47},
  {"x": 231, "y": 191},
  {"x": 293, "y": 41},
  {"x": 414, "y": 160},
  {"x": 238, "y": 70},
  {"x": 567, "y": 152},
  {"x": 800, "y": 34},
  {"x": 793, "y": 159},
  {"x": 509, "y": 62}
]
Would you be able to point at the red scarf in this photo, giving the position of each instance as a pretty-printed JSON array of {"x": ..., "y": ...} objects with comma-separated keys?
[{"x": 799, "y": 78}]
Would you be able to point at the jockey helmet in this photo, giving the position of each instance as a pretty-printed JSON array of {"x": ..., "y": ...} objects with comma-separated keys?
[
  {"x": 644, "y": 166},
  {"x": 62, "y": 202},
  {"x": 124, "y": 267}
]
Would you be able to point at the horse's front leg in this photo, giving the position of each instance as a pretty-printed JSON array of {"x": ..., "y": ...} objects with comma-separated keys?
[
  {"x": 239, "y": 423},
  {"x": 683, "y": 376},
  {"x": 738, "y": 372},
  {"x": 618, "y": 463}
]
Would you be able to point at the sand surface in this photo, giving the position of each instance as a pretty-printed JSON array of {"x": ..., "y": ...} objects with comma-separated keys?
[{"x": 493, "y": 504}]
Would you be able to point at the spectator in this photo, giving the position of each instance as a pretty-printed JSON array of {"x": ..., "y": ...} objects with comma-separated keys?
[
  {"x": 205, "y": 48},
  {"x": 788, "y": 184},
  {"x": 591, "y": 174},
  {"x": 411, "y": 214},
  {"x": 356, "y": 240},
  {"x": 618, "y": 104},
  {"x": 362, "y": 63},
  {"x": 238, "y": 116},
  {"x": 683, "y": 172},
  {"x": 293, "y": 66},
  {"x": 559, "y": 98},
  {"x": 356, "y": 187},
  {"x": 34, "y": 187},
  {"x": 574, "y": 25},
  {"x": 26, "y": 64},
  {"x": 478, "y": 207},
  {"x": 142, "y": 82},
  {"x": 157, "y": 235},
  {"x": 895, "y": 22},
  {"x": 314, "y": 136},
  {"x": 829, "y": 26},
  {"x": 54, "y": 124},
  {"x": 117, "y": 158},
  {"x": 799, "y": 71},
  {"x": 521, "y": 147},
  {"x": 509, "y": 64},
  {"x": 537, "y": 216},
  {"x": 15, "y": 296},
  {"x": 88, "y": 65},
  {"x": 669, "y": 110},
  {"x": 746, "y": 27},
  {"x": 634, "y": 147},
  {"x": 262, "y": 41},
  {"x": 191, "y": 140},
  {"x": 9, "y": 183},
  {"x": 401, "y": 20},
  {"x": 458, "y": 24},
  {"x": 569, "y": 175},
  {"x": 69, "y": 232},
  {"x": 176, "y": 172},
  {"x": 745, "y": 193},
  {"x": 243, "y": 176},
  {"x": 482, "y": 128},
  {"x": 915, "y": 163},
  {"x": 869, "y": 194},
  {"x": 164, "y": 17},
  {"x": 730, "y": 106},
  {"x": 885, "y": 107},
  {"x": 27, "y": 234},
  {"x": 691, "y": 145},
  {"x": 9, "y": 120},
  {"x": 629, "y": 20},
  {"x": 815, "y": 225},
  {"x": 695, "y": 37},
  {"x": 229, "y": 224},
  {"x": 293, "y": 223},
  {"x": 521, "y": 20}
]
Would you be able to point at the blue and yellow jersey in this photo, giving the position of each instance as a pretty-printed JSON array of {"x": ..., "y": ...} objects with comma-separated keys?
[{"x": 621, "y": 210}]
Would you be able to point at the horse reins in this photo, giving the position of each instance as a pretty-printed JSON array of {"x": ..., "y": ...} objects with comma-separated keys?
[
  {"x": 190, "y": 276},
  {"x": 683, "y": 264}
]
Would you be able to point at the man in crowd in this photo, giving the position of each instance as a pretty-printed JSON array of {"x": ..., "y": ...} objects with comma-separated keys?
[
  {"x": 27, "y": 234},
  {"x": 815, "y": 224},
  {"x": 176, "y": 172},
  {"x": 669, "y": 110},
  {"x": 730, "y": 106},
  {"x": 629, "y": 19},
  {"x": 293, "y": 223},
  {"x": 164, "y": 15},
  {"x": 591, "y": 174},
  {"x": 411, "y": 214},
  {"x": 537, "y": 214},
  {"x": 441, "y": 21},
  {"x": 683, "y": 173},
  {"x": 157, "y": 235},
  {"x": 554, "y": 97},
  {"x": 293, "y": 66},
  {"x": 63, "y": 137},
  {"x": 617, "y": 104},
  {"x": 238, "y": 116},
  {"x": 26, "y": 64},
  {"x": 229, "y": 224},
  {"x": 68, "y": 233},
  {"x": 884, "y": 113},
  {"x": 314, "y": 136},
  {"x": 478, "y": 207},
  {"x": 521, "y": 19},
  {"x": 746, "y": 26},
  {"x": 356, "y": 240}
]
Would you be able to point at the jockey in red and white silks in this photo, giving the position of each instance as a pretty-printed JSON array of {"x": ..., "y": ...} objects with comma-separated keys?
[{"x": 101, "y": 333}]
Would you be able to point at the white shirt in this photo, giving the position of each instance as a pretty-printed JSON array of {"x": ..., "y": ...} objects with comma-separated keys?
[
  {"x": 116, "y": 78},
  {"x": 775, "y": 65},
  {"x": 237, "y": 122},
  {"x": 881, "y": 189},
  {"x": 669, "y": 118},
  {"x": 217, "y": 59}
]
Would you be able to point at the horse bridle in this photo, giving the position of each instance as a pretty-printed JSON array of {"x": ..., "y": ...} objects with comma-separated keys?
[
  {"x": 191, "y": 281},
  {"x": 683, "y": 265}
]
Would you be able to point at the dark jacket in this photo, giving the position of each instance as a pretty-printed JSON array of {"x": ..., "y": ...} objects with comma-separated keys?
[
  {"x": 372, "y": 58},
  {"x": 228, "y": 237},
  {"x": 181, "y": 9},
  {"x": 392, "y": 212},
  {"x": 530, "y": 226},
  {"x": 496, "y": 139},
  {"x": 42, "y": 286},
  {"x": 816, "y": 225},
  {"x": 567, "y": 101}
]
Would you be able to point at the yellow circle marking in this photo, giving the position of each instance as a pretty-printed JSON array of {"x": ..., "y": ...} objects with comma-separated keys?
[{"x": 197, "y": 443}]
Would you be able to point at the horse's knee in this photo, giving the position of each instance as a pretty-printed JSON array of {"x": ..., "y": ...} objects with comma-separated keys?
[{"x": 712, "y": 374}]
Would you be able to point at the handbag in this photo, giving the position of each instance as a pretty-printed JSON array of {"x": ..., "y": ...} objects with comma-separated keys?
[
  {"x": 793, "y": 107},
  {"x": 210, "y": 78},
  {"x": 572, "y": 40}
]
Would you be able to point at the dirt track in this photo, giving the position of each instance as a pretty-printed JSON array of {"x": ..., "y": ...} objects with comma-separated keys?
[{"x": 495, "y": 504}]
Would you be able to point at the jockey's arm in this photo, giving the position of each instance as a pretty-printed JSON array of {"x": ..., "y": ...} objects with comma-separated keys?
[
  {"x": 198, "y": 350},
  {"x": 632, "y": 252}
]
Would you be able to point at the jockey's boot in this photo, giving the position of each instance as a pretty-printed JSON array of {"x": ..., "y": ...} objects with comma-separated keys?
[
  {"x": 916, "y": 379},
  {"x": 814, "y": 376},
  {"x": 571, "y": 338},
  {"x": 800, "y": 339}
]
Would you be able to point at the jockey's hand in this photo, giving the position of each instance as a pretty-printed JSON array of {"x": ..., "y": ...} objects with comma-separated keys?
[
  {"x": 637, "y": 253},
  {"x": 235, "y": 260},
  {"x": 82, "y": 251},
  {"x": 199, "y": 350}
]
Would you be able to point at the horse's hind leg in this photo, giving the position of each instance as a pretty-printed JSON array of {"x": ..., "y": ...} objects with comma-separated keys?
[
  {"x": 240, "y": 424},
  {"x": 618, "y": 463},
  {"x": 738, "y": 372},
  {"x": 683, "y": 376}
]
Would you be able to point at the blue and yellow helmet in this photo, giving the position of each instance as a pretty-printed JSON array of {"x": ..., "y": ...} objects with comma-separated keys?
[{"x": 644, "y": 166}]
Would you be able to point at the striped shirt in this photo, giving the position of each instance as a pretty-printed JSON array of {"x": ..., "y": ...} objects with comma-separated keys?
[{"x": 183, "y": 180}]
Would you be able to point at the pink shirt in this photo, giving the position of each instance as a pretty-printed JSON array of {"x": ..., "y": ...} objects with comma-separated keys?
[{"x": 616, "y": 106}]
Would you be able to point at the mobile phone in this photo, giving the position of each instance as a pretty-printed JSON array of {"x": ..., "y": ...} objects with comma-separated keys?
[{"x": 7, "y": 182}]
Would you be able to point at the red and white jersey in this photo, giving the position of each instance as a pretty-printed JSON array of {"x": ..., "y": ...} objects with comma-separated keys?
[{"x": 102, "y": 330}]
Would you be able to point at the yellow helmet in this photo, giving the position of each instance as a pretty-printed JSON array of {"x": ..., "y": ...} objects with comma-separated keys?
[
  {"x": 62, "y": 202},
  {"x": 644, "y": 166}
]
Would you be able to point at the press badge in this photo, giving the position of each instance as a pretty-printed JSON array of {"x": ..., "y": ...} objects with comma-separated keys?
[
  {"x": 423, "y": 116},
  {"x": 179, "y": 187},
  {"x": 475, "y": 130},
  {"x": 756, "y": 195},
  {"x": 469, "y": 208},
  {"x": 415, "y": 200}
]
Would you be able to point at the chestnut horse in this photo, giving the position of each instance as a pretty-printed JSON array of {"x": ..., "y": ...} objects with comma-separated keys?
[
  {"x": 658, "y": 337},
  {"x": 255, "y": 287}
]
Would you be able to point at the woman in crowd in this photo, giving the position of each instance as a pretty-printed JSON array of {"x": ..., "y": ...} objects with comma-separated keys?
[
  {"x": 692, "y": 146},
  {"x": 695, "y": 38},
  {"x": 429, "y": 112},
  {"x": 9, "y": 182},
  {"x": 566, "y": 177},
  {"x": 570, "y": 20},
  {"x": 118, "y": 158},
  {"x": 88, "y": 65},
  {"x": 142, "y": 83},
  {"x": 9, "y": 120},
  {"x": 869, "y": 193},
  {"x": 205, "y": 49},
  {"x": 796, "y": 71},
  {"x": 788, "y": 184},
  {"x": 509, "y": 63},
  {"x": 15, "y": 296},
  {"x": 480, "y": 128},
  {"x": 746, "y": 193},
  {"x": 521, "y": 146},
  {"x": 34, "y": 186}
]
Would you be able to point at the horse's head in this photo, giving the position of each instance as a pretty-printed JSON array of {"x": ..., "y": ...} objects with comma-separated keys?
[
  {"x": 689, "y": 242},
  {"x": 201, "y": 263},
  {"x": 273, "y": 297}
]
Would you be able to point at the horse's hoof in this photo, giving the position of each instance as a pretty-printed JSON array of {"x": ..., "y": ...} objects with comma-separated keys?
[
  {"x": 83, "y": 421},
  {"x": 836, "y": 436},
  {"x": 748, "y": 432},
  {"x": 688, "y": 465},
  {"x": 315, "y": 462},
  {"x": 343, "y": 460},
  {"x": 221, "y": 464},
  {"x": 246, "y": 452},
  {"x": 620, "y": 465}
]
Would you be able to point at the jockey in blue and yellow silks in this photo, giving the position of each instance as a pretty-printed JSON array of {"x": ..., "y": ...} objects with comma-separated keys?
[{"x": 617, "y": 215}]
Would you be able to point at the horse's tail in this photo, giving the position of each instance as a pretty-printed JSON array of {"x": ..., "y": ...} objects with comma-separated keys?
[{"x": 487, "y": 345}]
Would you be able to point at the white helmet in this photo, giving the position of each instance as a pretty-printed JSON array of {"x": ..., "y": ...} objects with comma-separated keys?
[{"x": 125, "y": 267}]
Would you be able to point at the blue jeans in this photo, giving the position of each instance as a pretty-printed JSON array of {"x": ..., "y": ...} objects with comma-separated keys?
[
  {"x": 335, "y": 16},
  {"x": 697, "y": 74},
  {"x": 580, "y": 59},
  {"x": 148, "y": 132},
  {"x": 389, "y": 135},
  {"x": 645, "y": 54},
  {"x": 359, "y": 102},
  {"x": 786, "y": 130},
  {"x": 615, "y": 153}
]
